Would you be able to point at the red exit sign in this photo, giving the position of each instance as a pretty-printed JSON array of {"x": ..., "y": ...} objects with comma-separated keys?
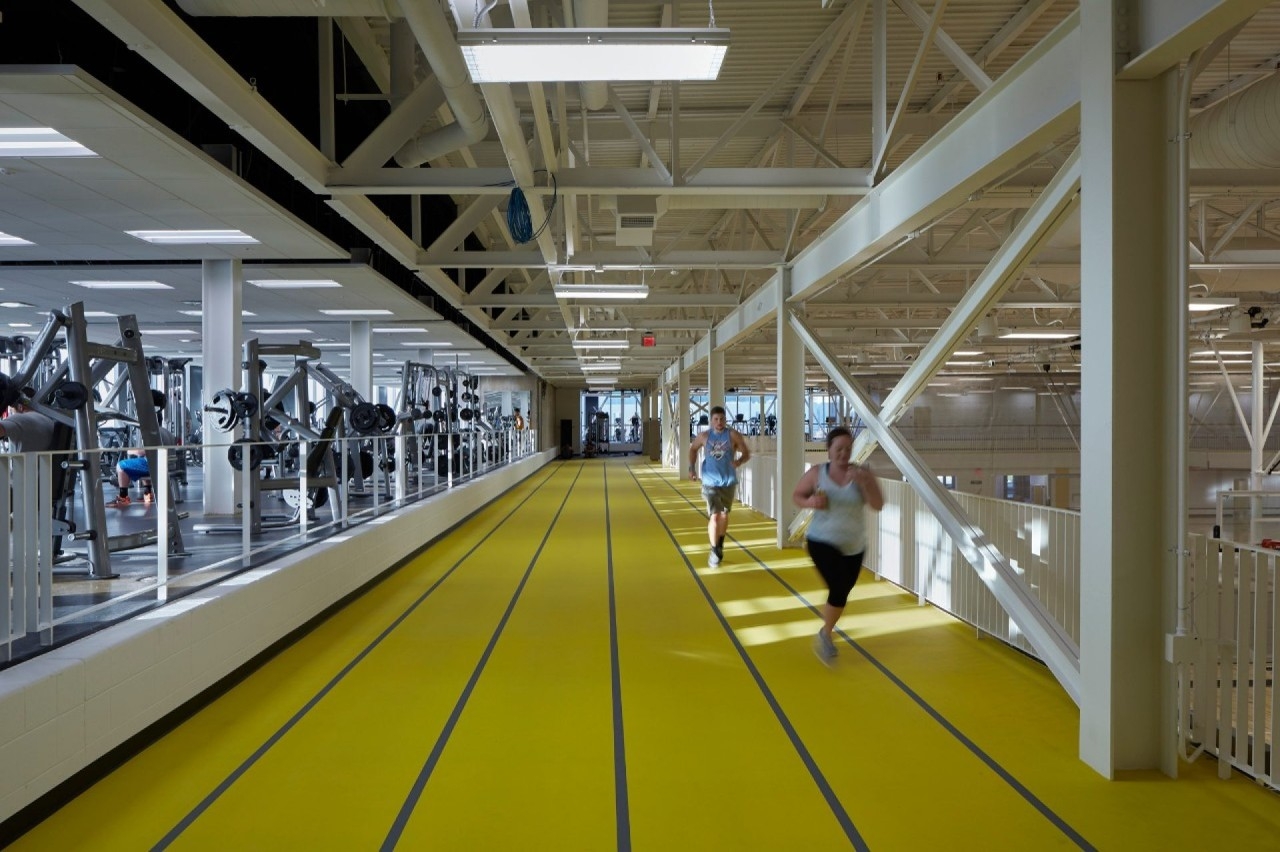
[{"x": 647, "y": 339}]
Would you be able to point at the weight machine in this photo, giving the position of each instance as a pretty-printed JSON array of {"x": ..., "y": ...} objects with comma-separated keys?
[
  {"x": 441, "y": 402},
  {"x": 256, "y": 420},
  {"x": 65, "y": 396}
]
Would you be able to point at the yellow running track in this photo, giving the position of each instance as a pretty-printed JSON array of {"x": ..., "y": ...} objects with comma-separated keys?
[{"x": 563, "y": 672}]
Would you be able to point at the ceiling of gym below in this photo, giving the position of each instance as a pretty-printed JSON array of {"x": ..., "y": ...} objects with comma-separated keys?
[{"x": 699, "y": 191}]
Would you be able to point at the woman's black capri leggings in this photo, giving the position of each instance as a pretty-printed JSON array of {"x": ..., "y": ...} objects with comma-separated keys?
[{"x": 839, "y": 571}]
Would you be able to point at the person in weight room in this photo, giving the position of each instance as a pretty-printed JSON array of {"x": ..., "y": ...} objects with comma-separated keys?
[
  {"x": 726, "y": 451},
  {"x": 133, "y": 465},
  {"x": 27, "y": 430}
]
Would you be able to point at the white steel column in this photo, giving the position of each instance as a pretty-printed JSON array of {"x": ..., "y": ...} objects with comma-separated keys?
[
  {"x": 1257, "y": 408},
  {"x": 879, "y": 80},
  {"x": 362, "y": 358},
  {"x": 1126, "y": 558},
  {"x": 715, "y": 373},
  {"x": 790, "y": 412},
  {"x": 221, "y": 339},
  {"x": 657, "y": 399},
  {"x": 680, "y": 421}
]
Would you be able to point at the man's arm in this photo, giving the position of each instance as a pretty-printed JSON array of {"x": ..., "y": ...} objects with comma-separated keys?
[
  {"x": 744, "y": 451},
  {"x": 693, "y": 454}
]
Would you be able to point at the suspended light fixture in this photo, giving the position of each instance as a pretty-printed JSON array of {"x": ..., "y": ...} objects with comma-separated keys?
[
  {"x": 550, "y": 55},
  {"x": 601, "y": 291},
  {"x": 1037, "y": 333},
  {"x": 601, "y": 344},
  {"x": 1212, "y": 303}
]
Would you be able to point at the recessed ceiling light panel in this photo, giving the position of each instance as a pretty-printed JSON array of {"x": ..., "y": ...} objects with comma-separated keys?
[
  {"x": 39, "y": 142},
  {"x": 208, "y": 236},
  {"x": 122, "y": 285}
]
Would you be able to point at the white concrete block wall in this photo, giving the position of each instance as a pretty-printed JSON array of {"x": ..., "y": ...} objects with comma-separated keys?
[{"x": 69, "y": 707}]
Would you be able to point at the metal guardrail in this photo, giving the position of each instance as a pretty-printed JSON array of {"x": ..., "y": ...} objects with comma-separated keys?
[
  {"x": 1226, "y": 663},
  {"x": 908, "y": 547},
  {"x": 46, "y": 600}
]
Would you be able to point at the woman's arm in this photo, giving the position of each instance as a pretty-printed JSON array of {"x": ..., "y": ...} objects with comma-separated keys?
[{"x": 870, "y": 487}]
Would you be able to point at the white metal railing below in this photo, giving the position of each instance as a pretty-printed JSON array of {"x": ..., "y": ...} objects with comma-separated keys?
[
  {"x": 908, "y": 546},
  {"x": 1226, "y": 666},
  {"x": 30, "y": 609}
]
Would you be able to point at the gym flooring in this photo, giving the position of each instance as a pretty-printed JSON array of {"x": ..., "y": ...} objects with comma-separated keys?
[{"x": 564, "y": 672}]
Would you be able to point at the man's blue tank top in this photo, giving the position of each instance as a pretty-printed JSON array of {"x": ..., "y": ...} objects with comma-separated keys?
[{"x": 717, "y": 459}]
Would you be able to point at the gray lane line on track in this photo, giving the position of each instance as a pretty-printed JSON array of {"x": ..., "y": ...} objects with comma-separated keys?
[
  {"x": 420, "y": 783},
  {"x": 244, "y": 767},
  {"x": 621, "y": 806},
  {"x": 833, "y": 802},
  {"x": 937, "y": 716}
]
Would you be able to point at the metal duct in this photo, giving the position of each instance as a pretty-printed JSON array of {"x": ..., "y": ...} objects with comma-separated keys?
[
  {"x": 471, "y": 123},
  {"x": 593, "y": 14},
  {"x": 1242, "y": 132},
  {"x": 289, "y": 8}
]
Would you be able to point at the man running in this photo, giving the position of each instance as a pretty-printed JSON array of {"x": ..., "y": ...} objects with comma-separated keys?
[{"x": 726, "y": 451}]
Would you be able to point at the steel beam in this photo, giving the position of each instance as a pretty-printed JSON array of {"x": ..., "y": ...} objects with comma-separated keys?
[
  {"x": 1059, "y": 201},
  {"x": 1168, "y": 31},
  {"x": 1031, "y": 105},
  {"x": 588, "y": 180},
  {"x": 158, "y": 35}
]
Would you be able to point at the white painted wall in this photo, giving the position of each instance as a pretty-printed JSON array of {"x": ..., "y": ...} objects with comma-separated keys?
[{"x": 61, "y": 711}]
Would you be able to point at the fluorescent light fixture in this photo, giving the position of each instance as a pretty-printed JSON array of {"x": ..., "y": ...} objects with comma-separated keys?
[
  {"x": 967, "y": 353},
  {"x": 207, "y": 236},
  {"x": 201, "y": 313},
  {"x": 1212, "y": 303},
  {"x": 99, "y": 315},
  {"x": 122, "y": 285},
  {"x": 401, "y": 330},
  {"x": 582, "y": 54},
  {"x": 600, "y": 368},
  {"x": 601, "y": 291},
  {"x": 356, "y": 312},
  {"x": 1209, "y": 353},
  {"x": 16, "y": 305},
  {"x": 19, "y": 325},
  {"x": 965, "y": 363},
  {"x": 601, "y": 344},
  {"x": 39, "y": 142},
  {"x": 332, "y": 345},
  {"x": 11, "y": 240},
  {"x": 281, "y": 331},
  {"x": 1036, "y": 334},
  {"x": 176, "y": 332},
  {"x": 426, "y": 344},
  {"x": 297, "y": 284}
]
